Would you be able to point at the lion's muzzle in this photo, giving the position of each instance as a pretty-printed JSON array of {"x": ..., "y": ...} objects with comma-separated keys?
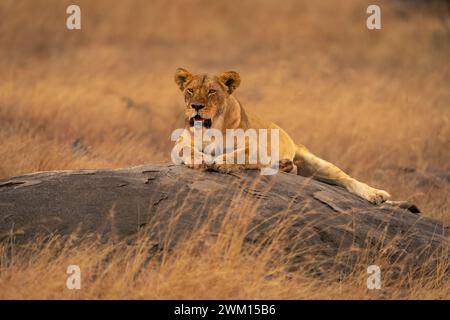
[{"x": 205, "y": 122}]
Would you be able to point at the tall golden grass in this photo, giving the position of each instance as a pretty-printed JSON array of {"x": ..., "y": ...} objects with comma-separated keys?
[
  {"x": 215, "y": 261},
  {"x": 376, "y": 103}
]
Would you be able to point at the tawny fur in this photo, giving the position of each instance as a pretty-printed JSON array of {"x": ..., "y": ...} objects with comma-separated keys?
[{"x": 218, "y": 105}]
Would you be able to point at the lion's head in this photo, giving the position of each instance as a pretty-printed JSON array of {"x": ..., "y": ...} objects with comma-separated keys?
[{"x": 206, "y": 95}]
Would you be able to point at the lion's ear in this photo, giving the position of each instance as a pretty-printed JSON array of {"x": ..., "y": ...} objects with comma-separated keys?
[
  {"x": 231, "y": 79},
  {"x": 182, "y": 76}
]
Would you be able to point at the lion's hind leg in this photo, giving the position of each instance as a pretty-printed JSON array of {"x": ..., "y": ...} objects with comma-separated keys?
[{"x": 311, "y": 165}]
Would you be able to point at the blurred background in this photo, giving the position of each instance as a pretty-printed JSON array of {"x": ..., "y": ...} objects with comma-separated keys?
[{"x": 374, "y": 102}]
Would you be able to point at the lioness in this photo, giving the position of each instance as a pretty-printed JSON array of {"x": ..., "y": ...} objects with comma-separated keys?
[{"x": 209, "y": 99}]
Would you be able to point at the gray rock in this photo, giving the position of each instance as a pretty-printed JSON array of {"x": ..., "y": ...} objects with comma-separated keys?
[{"x": 326, "y": 222}]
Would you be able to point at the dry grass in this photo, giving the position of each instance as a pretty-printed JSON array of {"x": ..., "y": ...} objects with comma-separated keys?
[
  {"x": 376, "y": 103},
  {"x": 223, "y": 266}
]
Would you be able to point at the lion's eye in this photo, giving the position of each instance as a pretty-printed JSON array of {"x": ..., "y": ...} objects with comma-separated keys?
[
  {"x": 190, "y": 91},
  {"x": 211, "y": 91}
]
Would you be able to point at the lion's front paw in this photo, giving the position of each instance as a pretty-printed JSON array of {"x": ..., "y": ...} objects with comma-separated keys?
[
  {"x": 196, "y": 166},
  {"x": 202, "y": 165},
  {"x": 224, "y": 168}
]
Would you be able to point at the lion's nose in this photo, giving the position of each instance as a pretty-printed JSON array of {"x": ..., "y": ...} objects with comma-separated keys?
[{"x": 198, "y": 106}]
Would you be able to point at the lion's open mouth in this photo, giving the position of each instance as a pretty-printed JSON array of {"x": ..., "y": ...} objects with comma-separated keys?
[{"x": 205, "y": 122}]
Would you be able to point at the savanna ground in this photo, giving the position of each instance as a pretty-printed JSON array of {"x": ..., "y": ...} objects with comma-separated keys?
[{"x": 376, "y": 103}]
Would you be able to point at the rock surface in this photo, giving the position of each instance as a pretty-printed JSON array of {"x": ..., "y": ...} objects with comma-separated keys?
[{"x": 327, "y": 222}]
